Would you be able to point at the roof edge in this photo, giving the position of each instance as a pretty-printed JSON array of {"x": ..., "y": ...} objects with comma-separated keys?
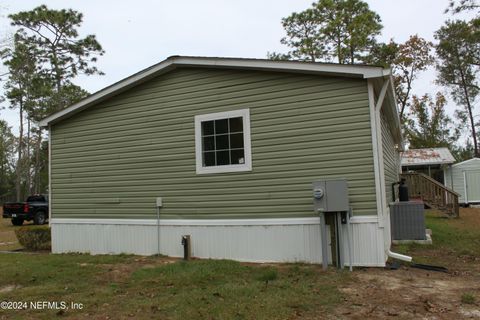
[
  {"x": 425, "y": 164},
  {"x": 360, "y": 71},
  {"x": 463, "y": 162},
  {"x": 429, "y": 159}
]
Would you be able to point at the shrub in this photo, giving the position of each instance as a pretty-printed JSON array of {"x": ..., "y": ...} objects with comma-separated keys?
[
  {"x": 468, "y": 298},
  {"x": 34, "y": 237},
  {"x": 267, "y": 275}
]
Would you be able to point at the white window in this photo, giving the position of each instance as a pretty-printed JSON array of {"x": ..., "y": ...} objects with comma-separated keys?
[{"x": 222, "y": 142}]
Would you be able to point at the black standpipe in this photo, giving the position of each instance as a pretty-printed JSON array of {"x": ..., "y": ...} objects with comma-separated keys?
[
  {"x": 186, "y": 247},
  {"x": 402, "y": 190}
]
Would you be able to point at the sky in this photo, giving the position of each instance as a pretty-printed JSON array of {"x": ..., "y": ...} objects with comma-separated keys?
[{"x": 137, "y": 34}]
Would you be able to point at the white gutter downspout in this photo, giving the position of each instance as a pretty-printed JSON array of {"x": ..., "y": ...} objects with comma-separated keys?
[
  {"x": 49, "y": 175},
  {"x": 376, "y": 156},
  {"x": 398, "y": 256},
  {"x": 378, "y": 149},
  {"x": 378, "y": 128}
]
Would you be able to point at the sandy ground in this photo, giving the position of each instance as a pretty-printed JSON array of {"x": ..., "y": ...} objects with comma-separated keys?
[{"x": 410, "y": 293}]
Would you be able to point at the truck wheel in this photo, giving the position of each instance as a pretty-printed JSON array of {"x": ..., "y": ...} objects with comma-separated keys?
[
  {"x": 17, "y": 221},
  {"x": 39, "y": 218}
]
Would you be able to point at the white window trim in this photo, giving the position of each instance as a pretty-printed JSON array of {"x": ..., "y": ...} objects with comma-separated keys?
[{"x": 247, "y": 166}]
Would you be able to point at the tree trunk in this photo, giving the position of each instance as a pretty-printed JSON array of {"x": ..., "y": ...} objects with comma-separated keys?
[
  {"x": 470, "y": 113},
  {"x": 472, "y": 124},
  {"x": 58, "y": 78},
  {"x": 339, "y": 52},
  {"x": 339, "y": 48},
  {"x": 28, "y": 164},
  {"x": 18, "y": 180},
  {"x": 37, "y": 161},
  {"x": 352, "y": 53},
  {"x": 404, "y": 100}
]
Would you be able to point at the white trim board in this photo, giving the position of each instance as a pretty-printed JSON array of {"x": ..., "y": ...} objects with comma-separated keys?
[
  {"x": 376, "y": 155},
  {"x": 393, "y": 106},
  {"x": 378, "y": 128},
  {"x": 209, "y": 222},
  {"x": 49, "y": 174},
  {"x": 247, "y": 165}
]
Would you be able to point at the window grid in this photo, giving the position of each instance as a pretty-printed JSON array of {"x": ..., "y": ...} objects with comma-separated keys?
[{"x": 215, "y": 135}]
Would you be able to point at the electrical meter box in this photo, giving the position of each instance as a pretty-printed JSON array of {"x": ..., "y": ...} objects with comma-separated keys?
[{"x": 330, "y": 195}]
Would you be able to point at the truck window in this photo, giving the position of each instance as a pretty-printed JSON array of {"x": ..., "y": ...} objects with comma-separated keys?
[{"x": 36, "y": 199}]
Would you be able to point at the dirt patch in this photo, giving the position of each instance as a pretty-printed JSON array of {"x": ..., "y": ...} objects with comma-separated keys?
[
  {"x": 9, "y": 288},
  {"x": 8, "y": 239},
  {"x": 6, "y": 243},
  {"x": 469, "y": 218},
  {"x": 407, "y": 293},
  {"x": 117, "y": 273},
  {"x": 410, "y": 293},
  {"x": 121, "y": 272}
]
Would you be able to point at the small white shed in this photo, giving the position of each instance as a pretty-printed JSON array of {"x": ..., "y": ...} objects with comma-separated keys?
[{"x": 466, "y": 180}]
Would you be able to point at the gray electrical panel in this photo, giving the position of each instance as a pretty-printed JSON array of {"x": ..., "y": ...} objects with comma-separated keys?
[
  {"x": 330, "y": 195},
  {"x": 407, "y": 220},
  {"x": 330, "y": 202}
]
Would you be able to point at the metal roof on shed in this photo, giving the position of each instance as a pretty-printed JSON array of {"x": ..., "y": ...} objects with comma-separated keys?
[{"x": 427, "y": 156}]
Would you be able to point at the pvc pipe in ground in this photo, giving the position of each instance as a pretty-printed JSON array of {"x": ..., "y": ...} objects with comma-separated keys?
[
  {"x": 350, "y": 245},
  {"x": 399, "y": 256}
]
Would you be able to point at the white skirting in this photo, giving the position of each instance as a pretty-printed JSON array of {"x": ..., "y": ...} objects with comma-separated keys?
[{"x": 266, "y": 240}]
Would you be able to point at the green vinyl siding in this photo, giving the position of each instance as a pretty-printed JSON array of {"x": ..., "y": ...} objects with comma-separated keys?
[
  {"x": 391, "y": 159},
  {"x": 113, "y": 159}
]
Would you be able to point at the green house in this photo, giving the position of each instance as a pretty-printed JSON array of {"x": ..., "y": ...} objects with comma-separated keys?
[{"x": 225, "y": 150}]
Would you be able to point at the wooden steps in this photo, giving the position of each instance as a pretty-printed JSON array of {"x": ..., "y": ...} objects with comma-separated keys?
[{"x": 434, "y": 194}]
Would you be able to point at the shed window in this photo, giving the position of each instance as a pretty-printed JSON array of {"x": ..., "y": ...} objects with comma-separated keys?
[{"x": 223, "y": 142}]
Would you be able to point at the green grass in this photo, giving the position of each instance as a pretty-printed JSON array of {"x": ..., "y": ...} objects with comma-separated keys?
[
  {"x": 451, "y": 237},
  {"x": 120, "y": 286},
  {"x": 269, "y": 274},
  {"x": 230, "y": 290},
  {"x": 468, "y": 298},
  {"x": 447, "y": 234},
  {"x": 43, "y": 277}
]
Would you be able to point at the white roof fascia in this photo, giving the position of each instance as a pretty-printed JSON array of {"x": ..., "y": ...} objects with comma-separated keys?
[
  {"x": 396, "y": 114},
  {"x": 466, "y": 161},
  {"x": 365, "y": 72},
  {"x": 424, "y": 164},
  {"x": 387, "y": 90}
]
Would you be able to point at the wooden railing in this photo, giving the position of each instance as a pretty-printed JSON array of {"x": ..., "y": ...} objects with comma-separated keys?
[{"x": 432, "y": 192}]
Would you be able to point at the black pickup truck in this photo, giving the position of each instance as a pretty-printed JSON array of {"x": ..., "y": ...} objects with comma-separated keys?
[{"x": 35, "y": 208}]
